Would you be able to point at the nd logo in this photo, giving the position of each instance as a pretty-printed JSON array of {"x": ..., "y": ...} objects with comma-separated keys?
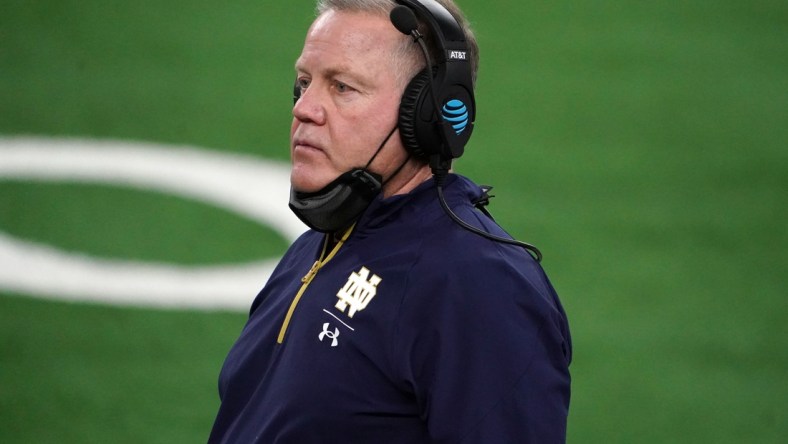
[{"x": 358, "y": 291}]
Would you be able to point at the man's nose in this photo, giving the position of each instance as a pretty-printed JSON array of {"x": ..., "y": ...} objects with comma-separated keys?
[{"x": 309, "y": 107}]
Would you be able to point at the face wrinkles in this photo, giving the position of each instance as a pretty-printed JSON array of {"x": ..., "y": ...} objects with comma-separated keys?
[{"x": 351, "y": 99}]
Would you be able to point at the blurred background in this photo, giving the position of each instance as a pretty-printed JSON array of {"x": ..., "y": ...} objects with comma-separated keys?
[{"x": 643, "y": 146}]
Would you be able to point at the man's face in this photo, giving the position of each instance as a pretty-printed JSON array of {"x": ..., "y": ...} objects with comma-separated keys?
[{"x": 350, "y": 99}]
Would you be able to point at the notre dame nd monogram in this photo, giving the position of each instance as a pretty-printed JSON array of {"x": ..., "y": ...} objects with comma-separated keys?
[{"x": 357, "y": 292}]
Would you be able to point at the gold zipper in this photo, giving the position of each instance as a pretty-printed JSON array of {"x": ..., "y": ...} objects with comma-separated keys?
[{"x": 307, "y": 279}]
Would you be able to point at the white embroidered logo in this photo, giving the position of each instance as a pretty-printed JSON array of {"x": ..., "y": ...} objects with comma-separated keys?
[
  {"x": 330, "y": 335},
  {"x": 357, "y": 292}
]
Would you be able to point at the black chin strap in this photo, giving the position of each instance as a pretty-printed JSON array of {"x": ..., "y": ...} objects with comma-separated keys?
[{"x": 380, "y": 148}]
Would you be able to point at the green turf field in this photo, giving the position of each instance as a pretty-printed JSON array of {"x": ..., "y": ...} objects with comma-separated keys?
[{"x": 643, "y": 146}]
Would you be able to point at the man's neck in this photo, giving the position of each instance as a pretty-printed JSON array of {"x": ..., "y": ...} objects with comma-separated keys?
[{"x": 413, "y": 174}]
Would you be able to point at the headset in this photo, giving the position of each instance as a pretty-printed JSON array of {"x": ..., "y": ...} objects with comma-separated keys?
[
  {"x": 438, "y": 109},
  {"x": 424, "y": 132}
]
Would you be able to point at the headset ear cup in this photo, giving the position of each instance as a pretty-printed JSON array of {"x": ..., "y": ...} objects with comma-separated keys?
[{"x": 408, "y": 115}]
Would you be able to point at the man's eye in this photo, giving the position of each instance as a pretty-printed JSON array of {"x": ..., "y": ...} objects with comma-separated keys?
[
  {"x": 342, "y": 87},
  {"x": 303, "y": 84}
]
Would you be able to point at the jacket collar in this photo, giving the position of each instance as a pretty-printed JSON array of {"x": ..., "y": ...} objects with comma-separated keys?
[{"x": 457, "y": 189}]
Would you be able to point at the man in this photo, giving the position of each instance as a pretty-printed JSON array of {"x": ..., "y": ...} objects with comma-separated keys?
[{"x": 405, "y": 315}]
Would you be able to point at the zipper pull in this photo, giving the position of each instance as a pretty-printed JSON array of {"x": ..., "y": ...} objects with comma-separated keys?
[{"x": 311, "y": 273}]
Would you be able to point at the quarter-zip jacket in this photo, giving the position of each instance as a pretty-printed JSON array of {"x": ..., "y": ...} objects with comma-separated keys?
[{"x": 410, "y": 330}]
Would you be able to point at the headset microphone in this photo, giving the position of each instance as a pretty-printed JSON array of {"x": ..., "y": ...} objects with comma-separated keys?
[{"x": 404, "y": 20}]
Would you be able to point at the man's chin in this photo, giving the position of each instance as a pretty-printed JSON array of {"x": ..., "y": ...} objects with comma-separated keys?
[{"x": 308, "y": 184}]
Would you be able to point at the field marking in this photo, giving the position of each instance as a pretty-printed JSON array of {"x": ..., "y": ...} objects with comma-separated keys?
[{"x": 249, "y": 186}]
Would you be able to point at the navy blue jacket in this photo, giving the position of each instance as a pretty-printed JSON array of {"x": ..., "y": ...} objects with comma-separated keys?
[{"x": 412, "y": 330}]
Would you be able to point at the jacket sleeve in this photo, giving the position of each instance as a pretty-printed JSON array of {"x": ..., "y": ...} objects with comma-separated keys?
[{"x": 483, "y": 343}]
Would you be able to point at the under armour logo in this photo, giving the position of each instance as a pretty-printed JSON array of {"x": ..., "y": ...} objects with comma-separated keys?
[
  {"x": 357, "y": 292},
  {"x": 330, "y": 335}
]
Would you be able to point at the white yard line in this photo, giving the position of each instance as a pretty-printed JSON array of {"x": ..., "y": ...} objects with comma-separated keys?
[{"x": 249, "y": 186}]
